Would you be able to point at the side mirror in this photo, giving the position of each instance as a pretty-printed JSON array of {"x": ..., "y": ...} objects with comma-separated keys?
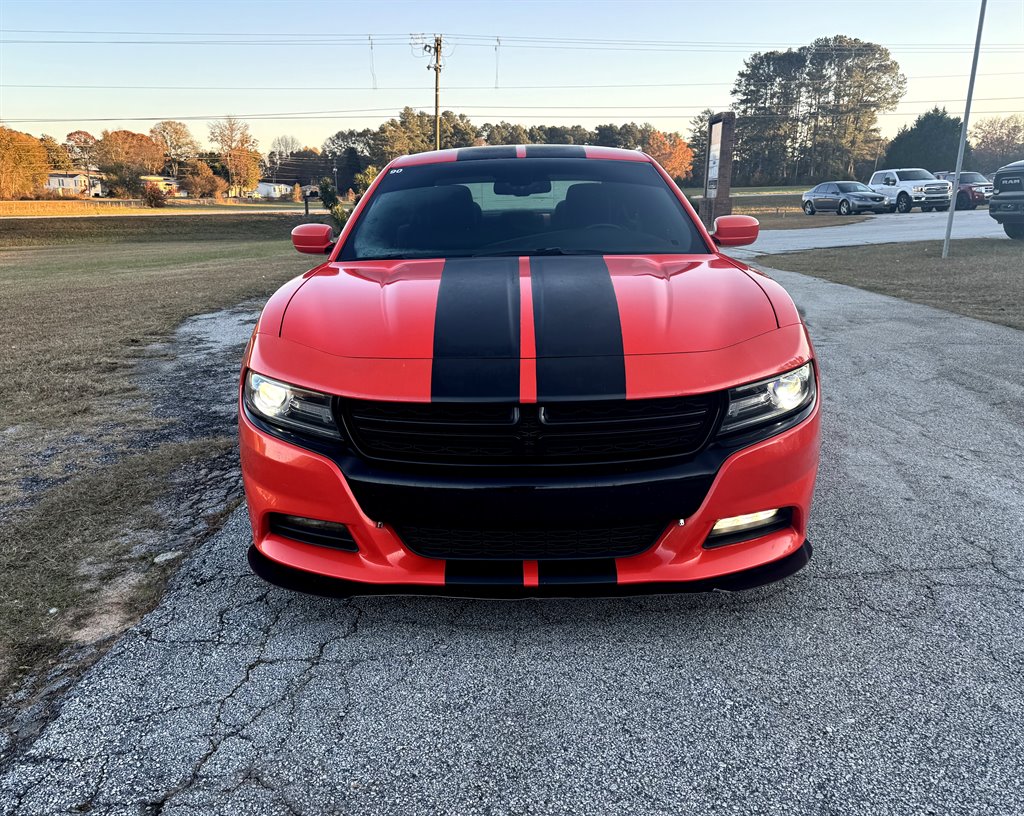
[
  {"x": 313, "y": 239},
  {"x": 735, "y": 230},
  {"x": 890, "y": 182}
]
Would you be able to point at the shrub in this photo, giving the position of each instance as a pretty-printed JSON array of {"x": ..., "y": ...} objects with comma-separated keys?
[{"x": 153, "y": 196}]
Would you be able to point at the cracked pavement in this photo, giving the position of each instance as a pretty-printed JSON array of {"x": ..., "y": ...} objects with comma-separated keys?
[{"x": 885, "y": 678}]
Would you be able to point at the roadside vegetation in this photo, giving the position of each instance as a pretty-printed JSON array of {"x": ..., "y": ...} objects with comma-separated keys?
[
  {"x": 982, "y": 278},
  {"x": 84, "y": 460}
]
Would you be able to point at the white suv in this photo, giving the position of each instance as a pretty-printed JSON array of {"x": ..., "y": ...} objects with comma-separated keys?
[{"x": 912, "y": 187}]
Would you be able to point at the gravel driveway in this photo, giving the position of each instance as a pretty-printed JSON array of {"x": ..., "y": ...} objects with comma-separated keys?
[{"x": 886, "y": 678}]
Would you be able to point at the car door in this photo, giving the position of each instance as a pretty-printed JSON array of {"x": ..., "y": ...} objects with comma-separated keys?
[{"x": 829, "y": 197}]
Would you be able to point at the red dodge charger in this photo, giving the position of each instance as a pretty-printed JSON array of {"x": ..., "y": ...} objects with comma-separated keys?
[{"x": 528, "y": 371}]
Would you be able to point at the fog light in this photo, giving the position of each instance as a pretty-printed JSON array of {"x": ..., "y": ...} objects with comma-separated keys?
[
  {"x": 313, "y": 531},
  {"x": 735, "y": 529},
  {"x": 736, "y": 524}
]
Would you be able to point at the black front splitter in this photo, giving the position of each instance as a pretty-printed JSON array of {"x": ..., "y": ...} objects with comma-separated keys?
[{"x": 301, "y": 581}]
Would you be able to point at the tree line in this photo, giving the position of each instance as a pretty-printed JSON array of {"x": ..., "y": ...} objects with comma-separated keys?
[{"x": 803, "y": 115}]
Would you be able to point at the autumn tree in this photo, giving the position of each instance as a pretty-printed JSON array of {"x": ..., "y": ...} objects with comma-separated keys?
[
  {"x": 997, "y": 140},
  {"x": 81, "y": 147},
  {"x": 56, "y": 154},
  {"x": 672, "y": 153},
  {"x": 200, "y": 181},
  {"x": 177, "y": 143},
  {"x": 23, "y": 164},
  {"x": 933, "y": 141},
  {"x": 238, "y": 152},
  {"x": 297, "y": 193},
  {"x": 124, "y": 157}
]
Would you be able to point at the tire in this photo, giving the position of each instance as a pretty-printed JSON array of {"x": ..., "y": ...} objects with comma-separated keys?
[
  {"x": 809, "y": 208},
  {"x": 963, "y": 202},
  {"x": 904, "y": 203},
  {"x": 942, "y": 209},
  {"x": 926, "y": 209},
  {"x": 1014, "y": 231},
  {"x": 844, "y": 207}
]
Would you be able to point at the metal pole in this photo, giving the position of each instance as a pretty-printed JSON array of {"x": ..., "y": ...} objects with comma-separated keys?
[
  {"x": 963, "y": 133},
  {"x": 437, "y": 92}
]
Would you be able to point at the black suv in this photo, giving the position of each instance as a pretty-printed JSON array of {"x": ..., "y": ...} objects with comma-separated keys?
[{"x": 1007, "y": 202}]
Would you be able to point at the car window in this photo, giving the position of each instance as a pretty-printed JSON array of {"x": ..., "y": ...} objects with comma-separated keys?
[
  {"x": 876, "y": 178},
  {"x": 890, "y": 177},
  {"x": 817, "y": 189},
  {"x": 853, "y": 187},
  {"x": 521, "y": 207},
  {"x": 831, "y": 189},
  {"x": 971, "y": 178},
  {"x": 916, "y": 175}
]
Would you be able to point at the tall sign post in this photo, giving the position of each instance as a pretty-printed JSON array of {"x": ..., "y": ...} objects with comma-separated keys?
[{"x": 718, "y": 168}]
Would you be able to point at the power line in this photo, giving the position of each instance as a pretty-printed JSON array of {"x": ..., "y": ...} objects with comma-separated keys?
[
  {"x": 419, "y": 87},
  {"x": 328, "y": 115}
]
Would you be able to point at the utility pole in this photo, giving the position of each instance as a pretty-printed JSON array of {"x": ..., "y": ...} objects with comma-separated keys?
[
  {"x": 435, "y": 51},
  {"x": 963, "y": 133}
]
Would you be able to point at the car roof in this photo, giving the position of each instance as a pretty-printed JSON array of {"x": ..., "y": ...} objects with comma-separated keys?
[{"x": 521, "y": 151}]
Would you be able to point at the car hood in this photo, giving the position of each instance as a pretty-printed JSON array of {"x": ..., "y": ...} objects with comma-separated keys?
[{"x": 541, "y": 307}]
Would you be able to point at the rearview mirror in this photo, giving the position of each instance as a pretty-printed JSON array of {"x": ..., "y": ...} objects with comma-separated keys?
[
  {"x": 735, "y": 230},
  {"x": 313, "y": 239}
]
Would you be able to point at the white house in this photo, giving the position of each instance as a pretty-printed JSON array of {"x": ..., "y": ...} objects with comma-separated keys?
[
  {"x": 272, "y": 189},
  {"x": 75, "y": 182}
]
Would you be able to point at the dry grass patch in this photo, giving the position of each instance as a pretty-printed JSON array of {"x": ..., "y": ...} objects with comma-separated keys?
[
  {"x": 799, "y": 220},
  {"x": 983, "y": 278},
  {"x": 82, "y": 300}
]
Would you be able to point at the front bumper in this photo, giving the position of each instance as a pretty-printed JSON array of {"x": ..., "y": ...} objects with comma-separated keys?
[
  {"x": 778, "y": 472},
  {"x": 1007, "y": 210}
]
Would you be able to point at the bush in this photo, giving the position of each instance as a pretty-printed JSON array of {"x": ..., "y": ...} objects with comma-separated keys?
[{"x": 153, "y": 196}]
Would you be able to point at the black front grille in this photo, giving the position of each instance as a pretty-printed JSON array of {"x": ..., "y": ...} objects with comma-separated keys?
[
  {"x": 595, "y": 432},
  {"x": 530, "y": 545}
]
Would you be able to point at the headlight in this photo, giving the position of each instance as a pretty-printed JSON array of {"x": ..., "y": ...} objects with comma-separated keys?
[
  {"x": 919, "y": 189},
  {"x": 288, "y": 406},
  {"x": 769, "y": 400}
]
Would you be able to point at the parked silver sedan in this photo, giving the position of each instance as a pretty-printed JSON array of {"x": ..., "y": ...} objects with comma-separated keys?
[{"x": 843, "y": 197}]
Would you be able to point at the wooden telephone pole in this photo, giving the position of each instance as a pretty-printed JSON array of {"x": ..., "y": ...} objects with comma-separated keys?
[{"x": 435, "y": 51}]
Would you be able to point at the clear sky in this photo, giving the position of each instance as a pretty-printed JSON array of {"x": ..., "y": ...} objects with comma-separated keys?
[{"x": 306, "y": 68}]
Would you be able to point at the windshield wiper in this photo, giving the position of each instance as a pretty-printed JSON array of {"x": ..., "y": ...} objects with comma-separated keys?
[{"x": 537, "y": 251}]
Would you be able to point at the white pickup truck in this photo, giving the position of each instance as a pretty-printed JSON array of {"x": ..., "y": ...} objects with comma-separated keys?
[{"x": 911, "y": 187}]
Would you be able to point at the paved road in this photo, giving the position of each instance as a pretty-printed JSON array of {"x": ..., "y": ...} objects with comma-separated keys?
[
  {"x": 879, "y": 229},
  {"x": 886, "y": 678}
]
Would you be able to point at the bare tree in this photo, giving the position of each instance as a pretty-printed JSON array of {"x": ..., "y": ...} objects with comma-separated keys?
[
  {"x": 281, "y": 148},
  {"x": 177, "y": 142}
]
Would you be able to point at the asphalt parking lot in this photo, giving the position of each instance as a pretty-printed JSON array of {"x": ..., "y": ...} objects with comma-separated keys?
[{"x": 886, "y": 678}]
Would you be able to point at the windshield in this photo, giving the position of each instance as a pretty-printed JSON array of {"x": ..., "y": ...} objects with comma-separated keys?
[
  {"x": 540, "y": 206},
  {"x": 970, "y": 178},
  {"x": 915, "y": 175},
  {"x": 853, "y": 187}
]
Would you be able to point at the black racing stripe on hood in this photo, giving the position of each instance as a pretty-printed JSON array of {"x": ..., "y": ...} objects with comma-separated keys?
[
  {"x": 578, "y": 332},
  {"x": 555, "y": 152},
  {"x": 495, "y": 152},
  {"x": 476, "y": 331}
]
